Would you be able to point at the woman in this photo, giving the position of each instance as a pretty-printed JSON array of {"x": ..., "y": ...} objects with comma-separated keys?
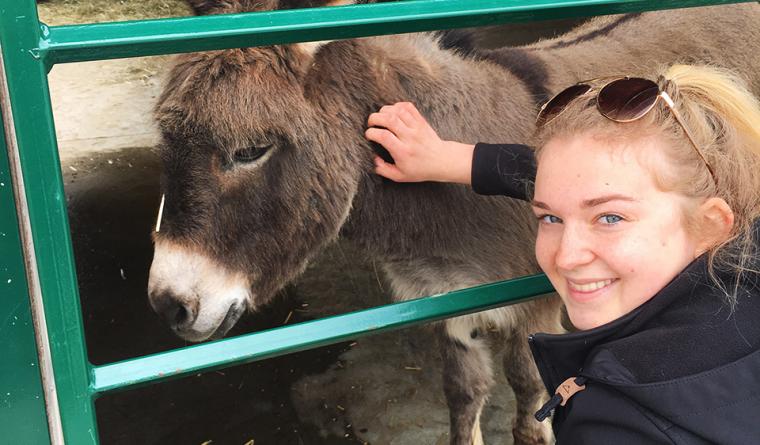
[{"x": 647, "y": 196}]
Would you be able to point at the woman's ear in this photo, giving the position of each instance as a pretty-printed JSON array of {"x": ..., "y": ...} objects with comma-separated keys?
[{"x": 716, "y": 219}]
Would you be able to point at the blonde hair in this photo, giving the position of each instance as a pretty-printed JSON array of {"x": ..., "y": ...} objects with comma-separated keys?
[{"x": 723, "y": 116}]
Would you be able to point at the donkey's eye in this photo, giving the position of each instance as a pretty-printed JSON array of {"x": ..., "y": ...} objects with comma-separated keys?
[{"x": 250, "y": 154}]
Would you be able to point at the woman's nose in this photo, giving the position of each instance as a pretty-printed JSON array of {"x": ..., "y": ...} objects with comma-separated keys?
[{"x": 575, "y": 249}]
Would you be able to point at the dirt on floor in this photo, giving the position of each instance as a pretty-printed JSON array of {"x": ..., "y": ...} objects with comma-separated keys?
[
  {"x": 105, "y": 106},
  {"x": 69, "y": 12},
  {"x": 335, "y": 395}
]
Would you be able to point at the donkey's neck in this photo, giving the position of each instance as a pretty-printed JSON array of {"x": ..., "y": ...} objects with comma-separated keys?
[{"x": 465, "y": 100}]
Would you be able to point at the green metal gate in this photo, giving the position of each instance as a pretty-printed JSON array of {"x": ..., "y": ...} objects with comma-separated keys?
[{"x": 47, "y": 385}]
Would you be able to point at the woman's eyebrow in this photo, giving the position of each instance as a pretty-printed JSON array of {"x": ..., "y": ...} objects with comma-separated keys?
[
  {"x": 603, "y": 199},
  {"x": 589, "y": 202}
]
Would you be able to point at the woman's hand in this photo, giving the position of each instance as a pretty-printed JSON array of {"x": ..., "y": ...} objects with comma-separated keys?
[{"x": 418, "y": 152}]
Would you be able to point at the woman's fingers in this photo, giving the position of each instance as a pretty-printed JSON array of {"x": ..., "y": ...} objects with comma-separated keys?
[
  {"x": 411, "y": 115},
  {"x": 403, "y": 111},
  {"x": 385, "y": 138},
  {"x": 388, "y": 117},
  {"x": 400, "y": 116},
  {"x": 389, "y": 171},
  {"x": 409, "y": 139}
]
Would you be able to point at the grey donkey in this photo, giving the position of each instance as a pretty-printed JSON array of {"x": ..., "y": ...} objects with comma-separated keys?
[{"x": 265, "y": 164}]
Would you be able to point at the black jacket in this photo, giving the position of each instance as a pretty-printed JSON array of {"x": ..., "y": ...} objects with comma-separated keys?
[{"x": 683, "y": 368}]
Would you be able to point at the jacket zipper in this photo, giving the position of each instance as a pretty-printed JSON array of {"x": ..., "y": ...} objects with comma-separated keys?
[{"x": 564, "y": 392}]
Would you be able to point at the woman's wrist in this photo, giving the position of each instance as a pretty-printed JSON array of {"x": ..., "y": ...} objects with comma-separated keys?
[{"x": 458, "y": 165}]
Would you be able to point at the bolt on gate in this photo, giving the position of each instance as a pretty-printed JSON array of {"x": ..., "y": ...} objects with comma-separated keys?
[{"x": 47, "y": 385}]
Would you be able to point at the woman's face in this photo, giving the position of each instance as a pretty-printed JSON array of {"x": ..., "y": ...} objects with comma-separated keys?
[{"x": 608, "y": 238}]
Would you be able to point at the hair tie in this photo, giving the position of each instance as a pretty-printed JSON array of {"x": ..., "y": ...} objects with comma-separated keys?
[{"x": 668, "y": 86}]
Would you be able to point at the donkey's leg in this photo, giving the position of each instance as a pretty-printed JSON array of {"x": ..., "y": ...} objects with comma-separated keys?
[
  {"x": 467, "y": 377},
  {"x": 522, "y": 374}
]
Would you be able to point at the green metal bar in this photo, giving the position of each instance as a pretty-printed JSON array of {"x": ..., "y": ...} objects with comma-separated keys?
[
  {"x": 21, "y": 394},
  {"x": 46, "y": 209},
  {"x": 62, "y": 44},
  {"x": 30, "y": 49},
  {"x": 312, "y": 334}
]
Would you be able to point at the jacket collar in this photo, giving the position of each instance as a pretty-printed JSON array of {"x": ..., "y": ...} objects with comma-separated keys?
[{"x": 568, "y": 352}]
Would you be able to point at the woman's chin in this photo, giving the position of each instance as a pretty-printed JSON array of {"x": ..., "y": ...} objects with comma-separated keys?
[{"x": 584, "y": 320}]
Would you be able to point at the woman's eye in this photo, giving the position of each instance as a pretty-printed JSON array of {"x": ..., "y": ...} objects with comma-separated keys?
[
  {"x": 610, "y": 219},
  {"x": 549, "y": 219},
  {"x": 250, "y": 154}
]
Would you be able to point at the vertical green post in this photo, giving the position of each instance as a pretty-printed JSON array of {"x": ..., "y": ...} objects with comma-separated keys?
[
  {"x": 51, "y": 261},
  {"x": 36, "y": 257},
  {"x": 22, "y": 402}
]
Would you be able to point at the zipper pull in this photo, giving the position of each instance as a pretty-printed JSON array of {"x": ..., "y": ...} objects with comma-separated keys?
[
  {"x": 548, "y": 407},
  {"x": 565, "y": 390}
]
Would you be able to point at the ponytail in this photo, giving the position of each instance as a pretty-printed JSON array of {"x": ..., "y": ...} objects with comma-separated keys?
[{"x": 726, "y": 116}]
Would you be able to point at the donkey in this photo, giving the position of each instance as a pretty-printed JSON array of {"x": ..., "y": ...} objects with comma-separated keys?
[{"x": 265, "y": 164}]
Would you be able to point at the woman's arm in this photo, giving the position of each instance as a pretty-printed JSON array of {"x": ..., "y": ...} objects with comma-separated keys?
[
  {"x": 419, "y": 154},
  {"x": 503, "y": 169}
]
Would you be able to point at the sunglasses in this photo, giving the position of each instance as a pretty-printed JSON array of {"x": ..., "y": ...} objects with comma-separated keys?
[{"x": 621, "y": 99}]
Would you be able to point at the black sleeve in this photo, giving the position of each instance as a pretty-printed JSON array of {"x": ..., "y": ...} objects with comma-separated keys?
[{"x": 503, "y": 169}]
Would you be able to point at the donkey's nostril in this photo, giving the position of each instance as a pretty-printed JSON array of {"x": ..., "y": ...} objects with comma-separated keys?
[
  {"x": 176, "y": 313},
  {"x": 179, "y": 315}
]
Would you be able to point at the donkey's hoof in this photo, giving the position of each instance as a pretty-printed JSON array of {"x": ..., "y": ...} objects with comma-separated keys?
[{"x": 534, "y": 437}]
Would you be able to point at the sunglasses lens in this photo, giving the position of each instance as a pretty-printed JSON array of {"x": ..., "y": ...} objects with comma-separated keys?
[
  {"x": 625, "y": 100},
  {"x": 558, "y": 103}
]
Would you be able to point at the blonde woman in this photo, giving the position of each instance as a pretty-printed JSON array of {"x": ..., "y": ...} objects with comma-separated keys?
[{"x": 647, "y": 196}]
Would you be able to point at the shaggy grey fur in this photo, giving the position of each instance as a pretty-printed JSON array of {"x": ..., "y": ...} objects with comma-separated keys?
[{"x": 268, "y": 218}]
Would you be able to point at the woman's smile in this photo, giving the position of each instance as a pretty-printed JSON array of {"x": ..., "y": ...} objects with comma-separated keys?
[{"x": 586, "y": 290}]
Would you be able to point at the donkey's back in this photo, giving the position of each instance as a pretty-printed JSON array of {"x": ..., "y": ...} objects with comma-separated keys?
[{"x": 631, "y": 44}]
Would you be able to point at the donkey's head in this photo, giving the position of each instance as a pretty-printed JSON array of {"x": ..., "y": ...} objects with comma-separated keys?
[{"x": 255, "y": 176}]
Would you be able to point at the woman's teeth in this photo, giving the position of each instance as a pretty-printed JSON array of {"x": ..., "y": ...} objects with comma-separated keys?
[{"x": 589, "y": 287}]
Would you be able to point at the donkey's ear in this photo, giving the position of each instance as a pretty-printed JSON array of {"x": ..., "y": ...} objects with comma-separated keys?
[
  {"x": 206, "y": 7},
  {"x": 309, "y": 49},
  {"x": 295, "y": 4}
]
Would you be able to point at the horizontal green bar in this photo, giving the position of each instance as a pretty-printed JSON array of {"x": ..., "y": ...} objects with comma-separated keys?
[
  {"x": 76, "y": 43},
  {"x": 279, "y": 341}
]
